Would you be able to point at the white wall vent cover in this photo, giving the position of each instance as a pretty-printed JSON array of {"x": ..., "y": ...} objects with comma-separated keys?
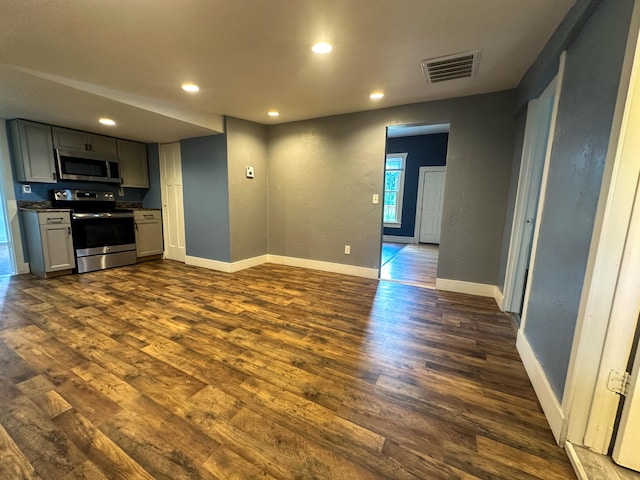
[{"x": 460, "y": 65}]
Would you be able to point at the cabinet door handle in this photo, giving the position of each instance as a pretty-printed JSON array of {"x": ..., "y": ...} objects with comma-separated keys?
[
  {"x": 53, "y": 175},
  {"x": 146, "y": 215},
  {"x": 135, "y": 225},
  {"x": 69, "y": 230},
  {"x": 55, "y": 220}
]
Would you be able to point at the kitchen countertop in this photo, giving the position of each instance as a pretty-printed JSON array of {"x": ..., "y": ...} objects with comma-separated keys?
[{"x": 46, "y": 209}]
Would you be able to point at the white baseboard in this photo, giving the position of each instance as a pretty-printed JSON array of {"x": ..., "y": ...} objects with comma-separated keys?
[
  {"x": 470, "y": 288},
  {"x": 228, "y": 267},
  {"x": 22, "y": 268},
  {"x": 498, "y": 297},
  {"x": 547, "y": 398},
  {"x": 324, "y": 266},
  {"x": 398, "y": 239}
]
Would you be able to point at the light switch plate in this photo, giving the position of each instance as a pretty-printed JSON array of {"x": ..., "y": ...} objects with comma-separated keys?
[
  {"x": 249, "y": 172},
  {"x": 376, "y": 198}
]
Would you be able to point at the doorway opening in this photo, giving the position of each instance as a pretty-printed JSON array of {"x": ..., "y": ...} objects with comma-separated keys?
[
  {"x": 415, "y": 169},
  {"x": 7, "y": 262}
]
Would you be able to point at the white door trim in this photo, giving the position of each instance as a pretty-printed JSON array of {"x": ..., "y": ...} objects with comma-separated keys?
[
  {"x": 11, "y": 204},
  {"x": 537, "y": 137},
  {"x": 543, "y": 184},
  {"x": 420, "y": 197},
  {"x": 591, "y": 407}
]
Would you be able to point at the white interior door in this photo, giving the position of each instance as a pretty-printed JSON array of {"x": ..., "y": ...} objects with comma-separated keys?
[
  {"x": 431, "y": 191},
  {"x": 172, "y": 202},
  {"x": 535, "y": 151}
]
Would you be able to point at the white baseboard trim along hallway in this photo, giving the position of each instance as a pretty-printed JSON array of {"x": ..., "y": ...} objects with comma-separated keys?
[
  {"x": 470, "y": 288},
  {"x": 325, "y": 266},
  {"x": 228, "y": 267},
  {"x": 397, "y": 239},
  {"x": 547, "y": 398},
  {"x": 231, "y": 267}
]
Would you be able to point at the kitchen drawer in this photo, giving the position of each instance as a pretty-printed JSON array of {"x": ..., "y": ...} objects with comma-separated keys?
[
  {"x": 140, "y": 215},
  {"x": 54, "y": 218}
]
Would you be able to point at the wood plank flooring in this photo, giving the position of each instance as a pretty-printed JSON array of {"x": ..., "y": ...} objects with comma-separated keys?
[
  {"x": 415, "y": 264},
  {"x": 165, "y": 371}
]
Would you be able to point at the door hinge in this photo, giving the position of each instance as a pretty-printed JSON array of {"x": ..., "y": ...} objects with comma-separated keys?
[{"x": 618, "y": 382}]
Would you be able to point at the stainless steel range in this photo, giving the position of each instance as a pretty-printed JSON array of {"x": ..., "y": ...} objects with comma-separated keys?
[{"x": 103, "y": 236}]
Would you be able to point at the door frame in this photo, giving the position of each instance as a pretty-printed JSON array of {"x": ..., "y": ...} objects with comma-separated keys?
[
  {"x": 420, "y": 197},
  {"x": 11, "y": 204},
  {"x": 521, "y": 255},
  {"x": 608, "y": 314}
]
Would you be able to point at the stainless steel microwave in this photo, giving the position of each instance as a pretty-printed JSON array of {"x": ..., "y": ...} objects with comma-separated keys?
[{"x": 87, "y": 166}]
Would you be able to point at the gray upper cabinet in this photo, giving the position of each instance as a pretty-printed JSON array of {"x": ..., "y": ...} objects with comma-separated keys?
[
  {"x": 132, "y": 158},
  {"x": 77, "y": 140},
  {"x": 32, "y": 151}
]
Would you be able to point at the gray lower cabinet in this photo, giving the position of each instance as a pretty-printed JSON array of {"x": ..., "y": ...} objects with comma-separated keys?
[
  {"x": 49, "y": 242},
  {"x": 32, "y": 151},
  {"x": 132, "y": 160},
  {"x": 148, "y": 234}
]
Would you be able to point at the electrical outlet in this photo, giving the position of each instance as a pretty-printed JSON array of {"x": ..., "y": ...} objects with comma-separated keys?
[
  {"x": 26, "y": 188},
  {"x": 376, "y": 198},
  {"x": 249, "y": 172},
  {"x": 347, "y": 249}
]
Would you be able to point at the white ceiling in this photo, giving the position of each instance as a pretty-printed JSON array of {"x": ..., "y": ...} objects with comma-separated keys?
[{"x": 68, "y": 62}]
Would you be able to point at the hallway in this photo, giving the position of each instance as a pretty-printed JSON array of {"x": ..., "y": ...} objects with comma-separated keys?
[{"x": 412, "y": 264}]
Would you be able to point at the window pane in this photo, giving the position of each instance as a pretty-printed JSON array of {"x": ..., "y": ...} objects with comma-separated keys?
[
  {"x": 394, "y": 163},
  {"x": 390, "y": 214},
  {"x": 390, "y": 199},
  {"x": 392, "y": 180}
]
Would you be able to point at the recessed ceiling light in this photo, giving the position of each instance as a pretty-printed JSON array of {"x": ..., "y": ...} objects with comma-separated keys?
[
  {"x": 376, "y": 95},
  {"x": 190, "y": 87},
  {"x": 321, "y": 48},
  {"x": 273, "y": 113},
  {"x": 107, "y": 121}
]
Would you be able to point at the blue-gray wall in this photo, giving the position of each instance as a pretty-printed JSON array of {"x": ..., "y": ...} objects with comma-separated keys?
[
  {"x": 587, "y": 101},
  {"x": 206, "y": 197},
  {"x": 322, "y": 173},
  {"x": 423, "y": 151},
  {"x": 153, "y": 196}
]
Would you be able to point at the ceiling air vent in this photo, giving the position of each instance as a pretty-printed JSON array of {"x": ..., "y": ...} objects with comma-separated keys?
[{"x": 441, "y": 69}]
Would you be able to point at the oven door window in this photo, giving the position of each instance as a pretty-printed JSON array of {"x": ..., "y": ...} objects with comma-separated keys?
[{"x": 103, "y": 232}]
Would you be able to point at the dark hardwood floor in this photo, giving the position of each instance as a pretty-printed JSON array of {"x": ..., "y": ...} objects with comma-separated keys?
[{"x": 165, "y": 371}]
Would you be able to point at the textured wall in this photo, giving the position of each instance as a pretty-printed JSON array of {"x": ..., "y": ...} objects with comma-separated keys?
[
  {"x": 423, "y": 151},
  {"x": 153, "y": 196},
  {"x": 323, "y": 172},
  {"x": 580, "y": 142},
  {"x": 246, "y": 145},
  {"x": 206, "y": 197}
]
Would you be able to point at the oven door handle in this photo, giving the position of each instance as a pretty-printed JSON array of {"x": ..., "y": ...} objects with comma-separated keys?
[{"x": 90, "y": 216}]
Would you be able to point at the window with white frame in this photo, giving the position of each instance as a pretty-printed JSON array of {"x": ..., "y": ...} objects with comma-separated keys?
[{"x": 393, "y": 189}]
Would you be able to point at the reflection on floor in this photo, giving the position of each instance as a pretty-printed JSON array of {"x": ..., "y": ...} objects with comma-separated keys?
[
  {"x": 5, "y": 259},
  {"x": 415, "y": 264}
]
